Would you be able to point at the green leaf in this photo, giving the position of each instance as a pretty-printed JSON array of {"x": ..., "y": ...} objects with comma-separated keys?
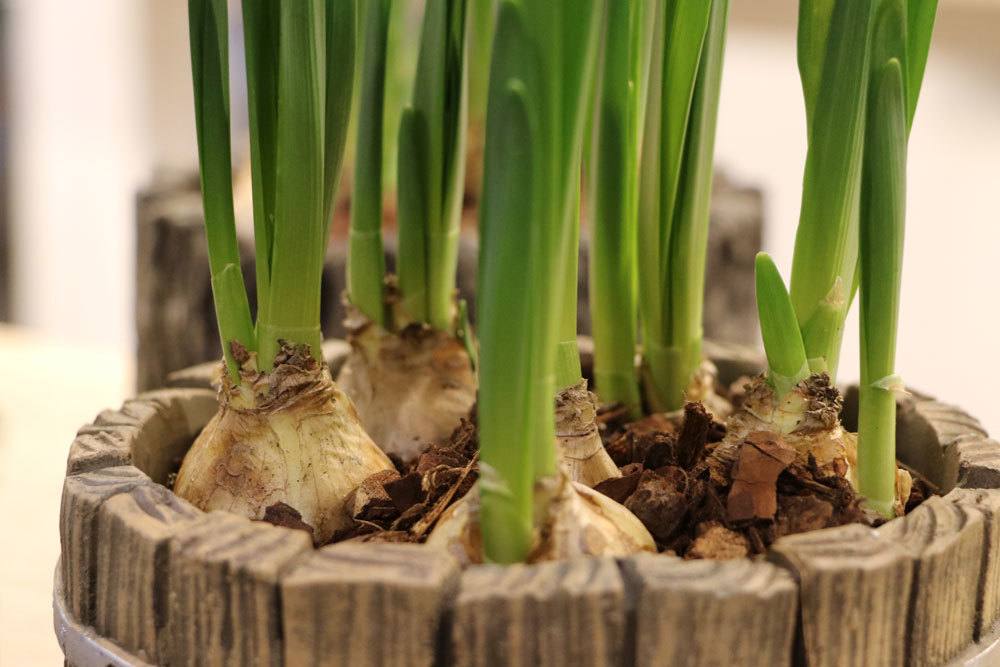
[
  {"x": 232, "y": 311},
  {"x": 209, "y": 25},
  {"x": 544, "y": 54},
  {"x": 814, "y": 27},
  {"x": 340, "y": 24},
  {"x": 882, "y": 229},
  {"x": 920, "y": 16},
  {"x": 676, "y": 187},
  {"x": 613, "y": 202},
  {"x": 412, "y": 213},
  {"x": 686, "y": 28},
  {"x": 440, "y": 102},
  {"x": 300, "y": 230},
  {"x": 366, "y": 259},
  {"x": 260, "y": 34},
  {"x": 510, "y": 266},
  {"x": 786, "y": 354},
  {"x": 826, "y": 241}
]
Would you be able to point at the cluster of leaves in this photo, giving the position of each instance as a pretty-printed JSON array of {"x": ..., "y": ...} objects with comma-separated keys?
[
  {"x": 861, "y": 64},
  {"x": 300, "y": 69},
  {"x": 430, "y": 168}
]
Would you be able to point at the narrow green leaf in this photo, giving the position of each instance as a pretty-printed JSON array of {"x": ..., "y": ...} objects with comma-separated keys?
[
  {"x": 510, "y": 267},
  {"x": 482, "y": 20},
  {"x": 689, "y": 237},
  {"x": 339, "y": 47},
  {"x": 208, "y": 23},
  {"x": 613, "y": 202},
  {"x": 920, "y": 16},
  {"x": 882, "y": 228},
  {"x": 544, "y": 54},
  {"x": 569, "y": 370},
  {"x": 232, "y": 311},
  {"x": 814, "y": 28},
  {"x": 826, "y": 241},
  {"x": 412, "y": 213},
  {"x": 651, "y": 297},
  {"x": 674, "y": 215},
  {"x": 366, "y": 258},
  {"x": 786, "y": 354},
  {"x": 440, "y": 101},
  {"x": 686, "y": 26},
  {"x": 260, "y": 35},
  {"x": 300, "y": 225}
]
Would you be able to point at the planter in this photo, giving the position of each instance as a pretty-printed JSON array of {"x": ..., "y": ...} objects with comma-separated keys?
[
  {"x": 146, "y": 578},
  {"x": 175, "y": 316}
]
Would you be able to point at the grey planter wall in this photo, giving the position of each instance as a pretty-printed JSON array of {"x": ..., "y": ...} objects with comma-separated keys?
[{"x": 145, "y": 577}]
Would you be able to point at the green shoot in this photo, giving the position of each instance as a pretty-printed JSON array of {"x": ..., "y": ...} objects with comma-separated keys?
[
  {"x": 543, "y": 55},
  {"x": 786, "y": 354},
  {"x": 431, "y": 166},
  {"x": 481, "y": 23},
  {"x": 835, "y": 59},
  {"x": 675, "y": 192},
  {"x": 834, "y": 63},
  {"x": 300, "y": 64},
  {"x": 899, "y": 52},
  {"x": 883, "y": 207},
  {"x": 299, "y": 241},
  {"x": 209, "y": 26},
  {"x": 366, "y": 264},
  {"x": 260, "y": 36},
  {"x": 569, "y": 370},
  {"x": 614, "y": 200}
]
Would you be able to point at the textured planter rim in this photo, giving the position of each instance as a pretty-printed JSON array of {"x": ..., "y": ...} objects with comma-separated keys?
[{"x": 146, "y": 578}]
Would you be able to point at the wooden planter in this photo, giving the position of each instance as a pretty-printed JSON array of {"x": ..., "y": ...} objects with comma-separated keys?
[{"x": 147, "y": 578}]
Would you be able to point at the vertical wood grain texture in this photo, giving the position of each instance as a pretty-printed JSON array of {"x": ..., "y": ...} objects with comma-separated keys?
[
  {"x": 367, "y": 605},
  {"x": 705, "y": 613},
  {"x": 555, "y": 614}
]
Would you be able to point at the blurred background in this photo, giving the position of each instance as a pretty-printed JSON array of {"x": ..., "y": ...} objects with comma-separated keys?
[{"x": 95, "y": 105}]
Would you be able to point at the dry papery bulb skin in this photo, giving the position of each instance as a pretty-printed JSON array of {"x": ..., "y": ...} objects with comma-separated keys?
[
  {"x": 571, "y": 521},
  {"x": 410, "y": 388},
  {"x": 808, "y": 419},
  {"x": 289, "y": 436},
  {"x": 578, "y": 439}
]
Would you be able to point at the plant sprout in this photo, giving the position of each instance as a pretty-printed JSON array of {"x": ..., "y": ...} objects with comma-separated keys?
[
  {"x": 366, "y": 266},
  {"x": 431, "y": 165},
  {"x": 614, "y": 200},
  {"x": 282, "y": 423},
  {"x": 410, "y": 372},
  {"x": 675, "y": 193},
  {"x": 861, "y": 65},
  {"x": 835, "y": 60},
  {"x": 544, "y": 54},
  {"x": 901, "y": 40}
]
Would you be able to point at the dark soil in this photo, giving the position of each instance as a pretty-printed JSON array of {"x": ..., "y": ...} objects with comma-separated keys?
[
  {"x": 694, "y": 504},
  {"x": 697, "y": 505}
]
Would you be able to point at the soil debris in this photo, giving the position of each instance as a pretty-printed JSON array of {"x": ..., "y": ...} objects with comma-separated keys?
[
  {"x": 283, "y": 514},
  {"x": 403, "y": 506},
  {"x": 753, "y": 495},
  {"x": 716, "y": 541},
  {"x": 700, "y": 499}
]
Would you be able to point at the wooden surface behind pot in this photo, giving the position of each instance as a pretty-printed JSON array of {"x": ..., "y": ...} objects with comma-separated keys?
[{"x": 173, "y": 585}]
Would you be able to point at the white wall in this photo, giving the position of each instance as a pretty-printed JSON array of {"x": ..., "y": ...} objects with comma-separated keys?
[
  {"x": 101, "y": 96},
  {"x": 78, "y": 154},
  {"x": 950, "y": 312}
]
